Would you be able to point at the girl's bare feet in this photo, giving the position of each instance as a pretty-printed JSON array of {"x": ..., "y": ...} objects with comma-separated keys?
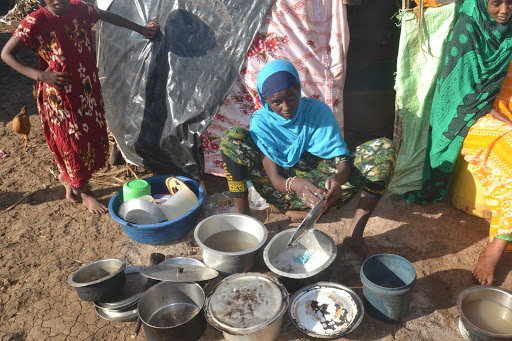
[
  {"x": 69, "y": 191},
  {"x": 92, "y": 203},
  {"x": 487, "y": 261}
]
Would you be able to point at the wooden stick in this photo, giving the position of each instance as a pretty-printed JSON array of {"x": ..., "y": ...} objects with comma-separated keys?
[
  {"x": 100, "y": 182},
  {"x": 53, "y": 173},
  {"x": 24, "y": 197},
  {"x": 121, "y": 181},
  {"x": 114, "y": 172},
  {"x": 135, "y": 175}
]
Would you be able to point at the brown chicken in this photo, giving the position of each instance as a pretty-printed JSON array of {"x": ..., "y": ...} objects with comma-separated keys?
[{"x": 21, "y": 125}]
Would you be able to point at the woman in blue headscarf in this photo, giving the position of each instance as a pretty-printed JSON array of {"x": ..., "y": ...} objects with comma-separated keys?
[{"x": 294, "y": 152}]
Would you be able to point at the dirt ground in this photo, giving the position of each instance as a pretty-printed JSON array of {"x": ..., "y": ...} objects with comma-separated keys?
[{"x": 43, "y": 239}]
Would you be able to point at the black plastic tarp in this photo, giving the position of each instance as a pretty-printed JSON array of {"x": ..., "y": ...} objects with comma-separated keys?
[{"x": 160, "y": 95}]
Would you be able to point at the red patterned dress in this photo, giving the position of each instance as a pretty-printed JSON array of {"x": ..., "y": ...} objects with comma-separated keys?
[{"x": 73, "y": 119}]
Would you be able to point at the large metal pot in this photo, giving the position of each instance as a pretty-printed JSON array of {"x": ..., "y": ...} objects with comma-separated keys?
[
  {"x": 485, "y": 313},
  {"x": 172, "y": 312},
  {"x": 230, "y": 262},
  {"x": 248, "y": 307},
  {"x": 99, "y": 280}
]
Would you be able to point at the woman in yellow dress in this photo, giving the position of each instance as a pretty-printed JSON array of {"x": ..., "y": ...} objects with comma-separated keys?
[{"x": 472, "y": 115}]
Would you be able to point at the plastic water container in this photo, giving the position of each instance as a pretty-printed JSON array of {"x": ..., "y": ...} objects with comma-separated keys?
[
  {"x": 466, "y": 191},
  {"x": 387, "y": 283},
  {"x": 179, "y": 204}
]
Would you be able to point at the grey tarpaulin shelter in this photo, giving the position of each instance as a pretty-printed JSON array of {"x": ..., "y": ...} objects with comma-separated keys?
[{"x": 160, "y": 95}]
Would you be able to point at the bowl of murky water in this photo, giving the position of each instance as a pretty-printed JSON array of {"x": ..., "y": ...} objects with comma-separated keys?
[
  {"x": 230, "y": 241},
  {"x": 485, "y": 313}
]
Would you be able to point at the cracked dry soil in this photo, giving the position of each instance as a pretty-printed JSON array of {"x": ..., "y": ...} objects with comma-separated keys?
[{"x": 43, "y": 239}]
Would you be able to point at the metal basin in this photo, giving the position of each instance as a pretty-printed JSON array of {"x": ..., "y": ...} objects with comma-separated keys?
[
  {"x": 241, "y": 236},
  {"x": 99, "y": 280},
  {"x": 305, "y": 264},
  {"x": 485, "y": 313},
  {"x": 173, "y": 311}
]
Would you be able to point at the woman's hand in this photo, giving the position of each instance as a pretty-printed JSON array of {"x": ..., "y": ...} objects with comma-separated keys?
[
  {"x": 58, "y": 80},
  {"x": 307, "y": 191},
  {"x": 334, "y": 182},
  {"x": 151, "y": 30},
  {"x": 333, "y": 186}
]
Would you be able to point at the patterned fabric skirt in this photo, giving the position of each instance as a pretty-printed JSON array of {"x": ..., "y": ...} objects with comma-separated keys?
[
  {"x": 372, "y": 166},
  {"x": 487, "y": 148}
]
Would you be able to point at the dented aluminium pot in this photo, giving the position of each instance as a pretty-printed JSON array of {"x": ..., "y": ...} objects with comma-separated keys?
[
  {"x": 172, "y": 312},
  {"x": 248, "y": 307}
]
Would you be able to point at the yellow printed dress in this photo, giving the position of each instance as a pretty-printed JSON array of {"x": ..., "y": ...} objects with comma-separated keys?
[{"x": 488, "y": 149}]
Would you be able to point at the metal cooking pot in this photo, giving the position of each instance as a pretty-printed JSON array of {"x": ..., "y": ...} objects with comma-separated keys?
[
  {"x": 236, "y": 261},
  {"x": 248, "y": 307},
  {"x": 172, "y": 312},
  {"x": 98, "y": 280},
  {"x": 494, "y": 323}
]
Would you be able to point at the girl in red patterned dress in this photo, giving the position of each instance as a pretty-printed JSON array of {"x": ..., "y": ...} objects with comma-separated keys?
[{"x": 68, "y": 88}]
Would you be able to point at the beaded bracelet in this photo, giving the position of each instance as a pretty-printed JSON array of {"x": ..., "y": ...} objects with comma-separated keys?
[{"x": 288, "y": 185}]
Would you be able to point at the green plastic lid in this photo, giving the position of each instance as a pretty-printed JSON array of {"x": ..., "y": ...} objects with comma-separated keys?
[{"x": 136, "y": 188}]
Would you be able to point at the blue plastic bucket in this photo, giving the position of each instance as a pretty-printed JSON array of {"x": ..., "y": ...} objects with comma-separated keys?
[
  {"x": 387, "y": 283},
  {"x": 162, "y": 232}
]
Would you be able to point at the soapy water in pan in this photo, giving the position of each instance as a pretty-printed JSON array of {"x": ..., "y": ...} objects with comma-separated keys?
[{"x": 299, "y": 260}]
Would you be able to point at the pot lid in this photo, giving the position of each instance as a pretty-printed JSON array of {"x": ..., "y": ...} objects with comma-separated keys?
[
  {"x": 130, "y": 293},
  {"x": 179, "y": 272},
  {"x": 246, "y": 303},
  {"x": 326, "y": 310}
]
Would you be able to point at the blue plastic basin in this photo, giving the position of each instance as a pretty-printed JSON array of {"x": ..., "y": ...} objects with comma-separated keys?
[
  {"x": 387, "y": 283},
  {"x": 162, "y": 232}
]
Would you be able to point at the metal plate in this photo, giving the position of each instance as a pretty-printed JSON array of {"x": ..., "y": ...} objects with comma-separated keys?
[
  {"x": 326, "y": 310},
  {"x": 129, "y": 313},
  {"x": 179, "y": 272},
  {"x": 130, "y": 293}
]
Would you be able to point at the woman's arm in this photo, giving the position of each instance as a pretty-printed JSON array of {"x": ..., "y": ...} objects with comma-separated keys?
[
  {"x": 500, "y": 117},
  {"x": 304, "y": 188},
  {"x": 149, "y": 31},
  {"x": 10, "y": 57},
  {"x": 272, "y": 170}
]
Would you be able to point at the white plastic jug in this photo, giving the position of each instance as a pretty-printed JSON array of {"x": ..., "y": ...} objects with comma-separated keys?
[{"x": 179, "y": 204}]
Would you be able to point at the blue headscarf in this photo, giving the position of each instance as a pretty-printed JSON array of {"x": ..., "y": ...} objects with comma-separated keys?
[{"x": 313, "y": 128}]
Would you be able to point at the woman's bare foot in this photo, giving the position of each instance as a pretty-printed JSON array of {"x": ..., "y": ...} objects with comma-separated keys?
[
  {"x": 69, "y": 191},
  {"x": 354, "y": 236},
  {"x": 358, "y": 245},
  {"x": 487, "y": 261},
  {"x": 296, "y": 216},
  {"x": 92, "y": 203}
]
